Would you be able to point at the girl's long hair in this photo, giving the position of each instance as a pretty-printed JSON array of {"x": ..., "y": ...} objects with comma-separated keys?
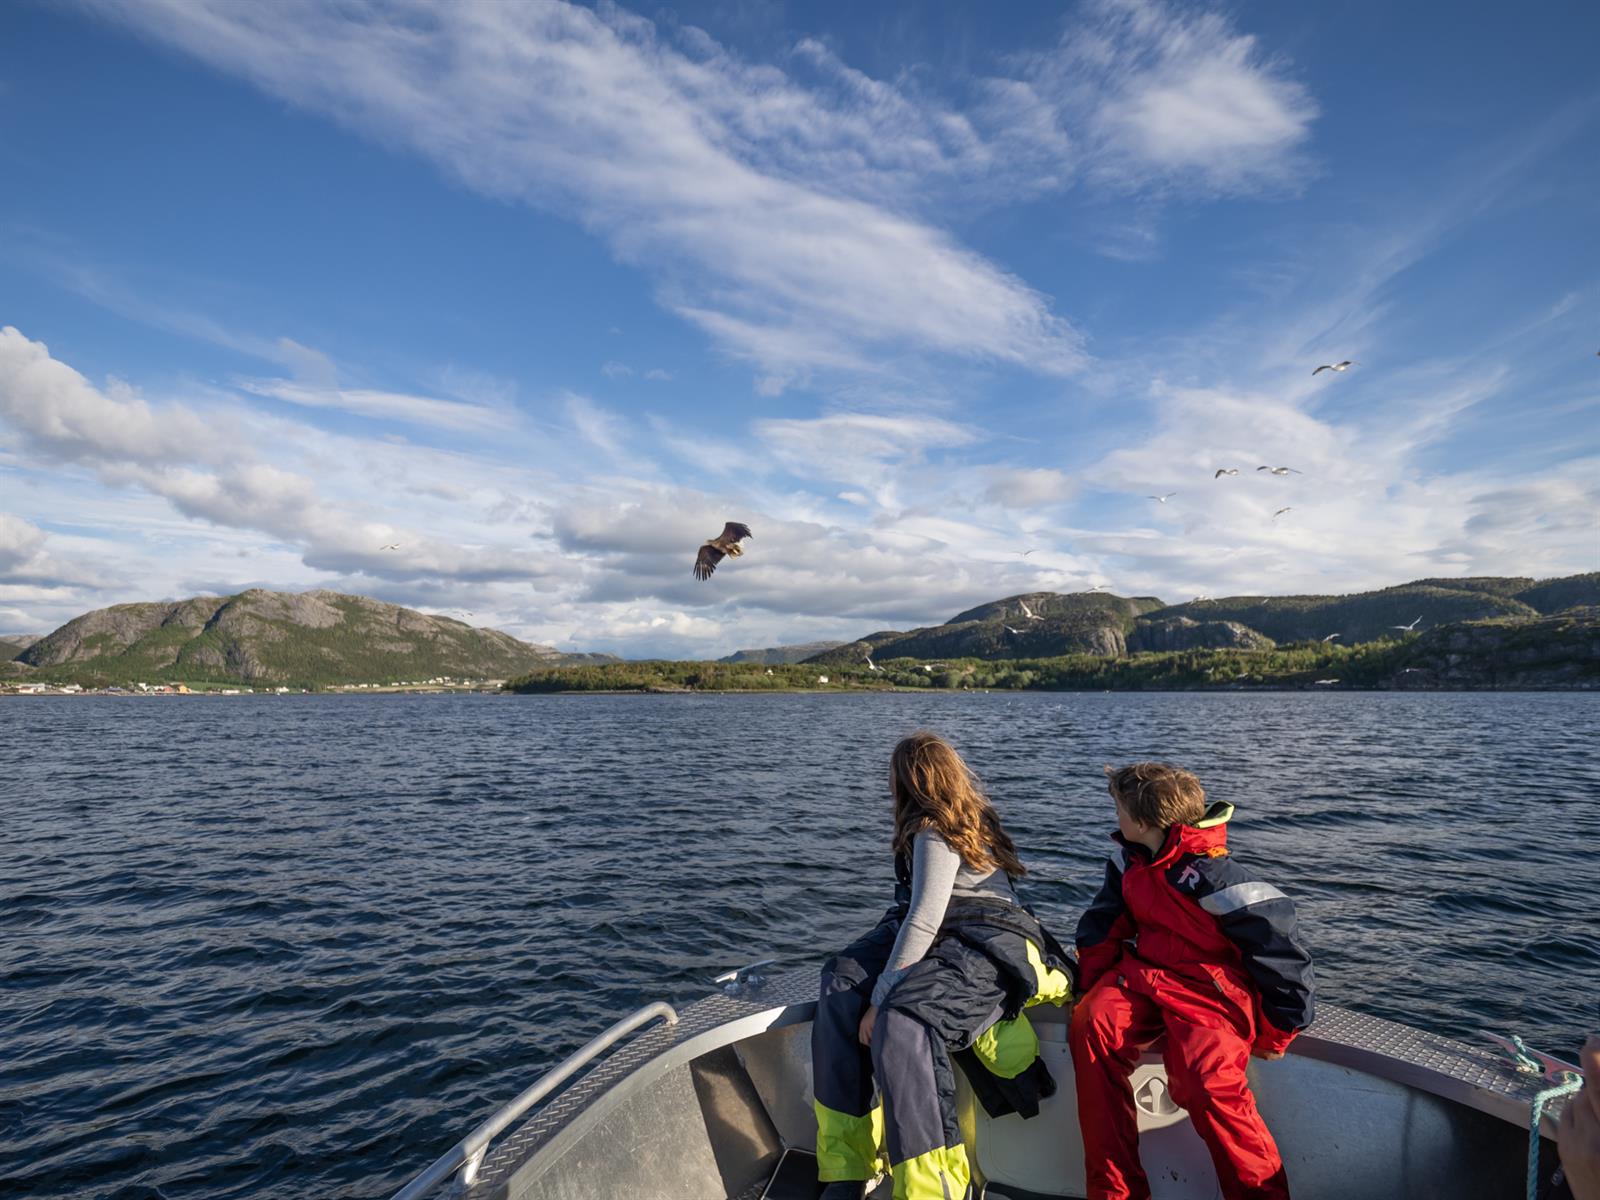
[{"x": 934, "y": 789}]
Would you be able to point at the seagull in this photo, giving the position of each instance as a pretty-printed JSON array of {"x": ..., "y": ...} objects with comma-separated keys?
[
  {"x": 714, "y": 550},
  {"x": 1326, "y": 682},
  {"x": 1025, "y": 553},
  {"x": 1330, "y": 637},
  {"x": 927, "y": 668},
  {"x": 390, "y": 546},
  {"x": 1411, "y": 628},
  {"x": 1028, "y": 612},
  {"x": 871, "y": 666},
  {"x": 1010, "y": 630},
  {"x": 1341, "y": 367},
  {"x": 1199, "y": 599},
  {"x": 1281, "y": 470},
  {"x": 1221, "y": 471},
  {"x": 1099, "y": 587},
  {"x": 1162, "y": 499},
  {"x": 1281, "y": 511}
]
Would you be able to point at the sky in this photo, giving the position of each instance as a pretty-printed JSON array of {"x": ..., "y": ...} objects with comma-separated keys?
[{"x": 934, "y": 297}]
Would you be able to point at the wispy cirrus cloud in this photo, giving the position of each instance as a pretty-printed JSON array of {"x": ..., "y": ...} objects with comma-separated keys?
[
  {"x": 655, "y": 147},
  {"x": 454, "y": 415},
  {"x": 1144, "y": 94}
]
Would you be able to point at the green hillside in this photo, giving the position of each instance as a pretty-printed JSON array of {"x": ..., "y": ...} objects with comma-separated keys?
[
  {"x": 772, "y": 655},
  {"x": 1553, "y": 595},
  {"x": 1561, "y": 651},
  {"x": 1361, "y": 617},
  {"x": 305, "y": 639},
  {"x": 1030, "y": 625}
]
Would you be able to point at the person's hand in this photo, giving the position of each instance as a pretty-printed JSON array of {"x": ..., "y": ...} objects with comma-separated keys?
[
  {"x": 1579, "y": 1136},
  {"x": 864, "y": 1034},
  {"x": 1263, "y": 1052}
]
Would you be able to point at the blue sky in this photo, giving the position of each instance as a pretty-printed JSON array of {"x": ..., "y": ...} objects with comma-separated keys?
[{"x": 545, "y": 293}]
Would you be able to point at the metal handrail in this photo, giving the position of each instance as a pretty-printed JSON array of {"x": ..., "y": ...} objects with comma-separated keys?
[{"x": 466, "y": 1156}]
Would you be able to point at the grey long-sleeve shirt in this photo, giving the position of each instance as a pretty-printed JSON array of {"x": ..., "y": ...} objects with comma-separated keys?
[{"x": 937, "y": 873}]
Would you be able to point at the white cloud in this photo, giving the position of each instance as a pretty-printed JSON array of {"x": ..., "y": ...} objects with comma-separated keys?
[
  {"x": 597, "y": 426},
  {"x": 20, "y": 543},
  {"x": 615, "y": 370},
  {"x": 207, "y": 469},
  {"x": 388, "y": 406},
  {"x": 1028, "y": 487},
  {"x": 1157, "y": 96},
  {"x": 66, "y": 417},
  {"x": 850, "y": 445},
  {"x": 664, "y": 153}
]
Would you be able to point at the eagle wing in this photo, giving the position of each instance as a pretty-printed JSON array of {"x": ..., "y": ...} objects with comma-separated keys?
[
  {"x": 733, "y": 531},
  {"x": 706, "y": 561}
]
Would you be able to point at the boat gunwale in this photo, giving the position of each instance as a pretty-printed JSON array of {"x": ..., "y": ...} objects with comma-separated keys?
[{"x": 1480, "y": 1079}]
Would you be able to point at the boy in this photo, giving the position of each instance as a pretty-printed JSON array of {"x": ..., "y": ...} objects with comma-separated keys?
[{"x": 1181, "y": 941}]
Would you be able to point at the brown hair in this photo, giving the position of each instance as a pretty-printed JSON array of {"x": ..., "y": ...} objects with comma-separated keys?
[
  {"x": 934, "y": 789},
  {"x": 1157, "y": 795}
]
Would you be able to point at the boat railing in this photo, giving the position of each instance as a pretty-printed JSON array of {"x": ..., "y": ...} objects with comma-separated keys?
[{"x": 466, "y": 1156}]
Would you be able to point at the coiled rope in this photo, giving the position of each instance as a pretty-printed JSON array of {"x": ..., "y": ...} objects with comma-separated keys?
[{"x": 1569, "y": 1082}]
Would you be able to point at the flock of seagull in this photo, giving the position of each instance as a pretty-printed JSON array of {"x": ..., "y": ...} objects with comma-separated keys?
[
  {"x": 1221, "y": 471},
  {"x": 1339, "y": 367}
]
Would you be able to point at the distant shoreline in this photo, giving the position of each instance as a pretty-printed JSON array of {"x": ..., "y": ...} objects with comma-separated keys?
[{"x": 1264, "y": 689}]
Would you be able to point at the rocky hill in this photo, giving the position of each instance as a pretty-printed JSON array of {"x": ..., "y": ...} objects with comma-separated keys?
[
  {"x": 13, "y": 644},
  {"x": 775, "y": 655},
  {"x": 1562, "y": 650},
  {"x": 1050, "y": 624},
  {"x": 1032, "y": 625},
  {"x": 300, "y": 638}
]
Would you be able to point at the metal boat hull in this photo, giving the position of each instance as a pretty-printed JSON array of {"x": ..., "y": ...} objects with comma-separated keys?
[{"x": 712, "y": 1107}]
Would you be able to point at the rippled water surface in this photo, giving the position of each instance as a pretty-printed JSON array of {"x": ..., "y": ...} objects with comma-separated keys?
[{"x": 296, "y": 946}]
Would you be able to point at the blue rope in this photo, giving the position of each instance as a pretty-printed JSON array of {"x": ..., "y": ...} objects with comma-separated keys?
[{"x": 1566, "y": 1087}]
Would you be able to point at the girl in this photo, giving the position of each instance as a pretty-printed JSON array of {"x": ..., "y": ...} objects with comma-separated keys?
[{"x": 949, "y": 969}]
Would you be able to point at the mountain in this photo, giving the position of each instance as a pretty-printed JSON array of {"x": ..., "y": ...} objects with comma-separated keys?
[
  {"x": 774, "y": 655},
  {"x": 301, "y": 638},
  {"x": 1560, "y": 650},
  {"x": 1050, "y": 624},
  {"x": 1031, "y": 625},
  {"x": 1557, "y": 595},
  {"x": 13, "y": 644},
  {"x": 1361, "y": 617}
]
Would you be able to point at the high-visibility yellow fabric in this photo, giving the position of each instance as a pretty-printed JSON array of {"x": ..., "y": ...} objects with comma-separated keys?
[
  {"x": 1055, "y": 985},
  {"x": 933, "y": 1176},
  {"x": 847, "y": 1147},
  {"x": 1007, "y": 1048}
]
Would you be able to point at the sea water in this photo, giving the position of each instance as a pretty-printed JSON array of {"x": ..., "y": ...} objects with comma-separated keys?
[{"x": 297, "y": 946}]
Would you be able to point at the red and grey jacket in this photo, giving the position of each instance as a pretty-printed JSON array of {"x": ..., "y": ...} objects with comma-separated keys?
[{"x": 1189, "y": 914}]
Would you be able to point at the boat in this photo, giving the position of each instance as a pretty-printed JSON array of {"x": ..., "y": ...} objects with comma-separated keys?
[{"x": 715, "y": 1104}]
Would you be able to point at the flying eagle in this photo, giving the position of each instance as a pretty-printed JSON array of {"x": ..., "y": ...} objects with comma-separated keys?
[{"x": 724, "y": 544}]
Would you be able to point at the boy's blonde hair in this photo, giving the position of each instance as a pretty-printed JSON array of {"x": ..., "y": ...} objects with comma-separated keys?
[{"x": 1157, "y": 795}]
